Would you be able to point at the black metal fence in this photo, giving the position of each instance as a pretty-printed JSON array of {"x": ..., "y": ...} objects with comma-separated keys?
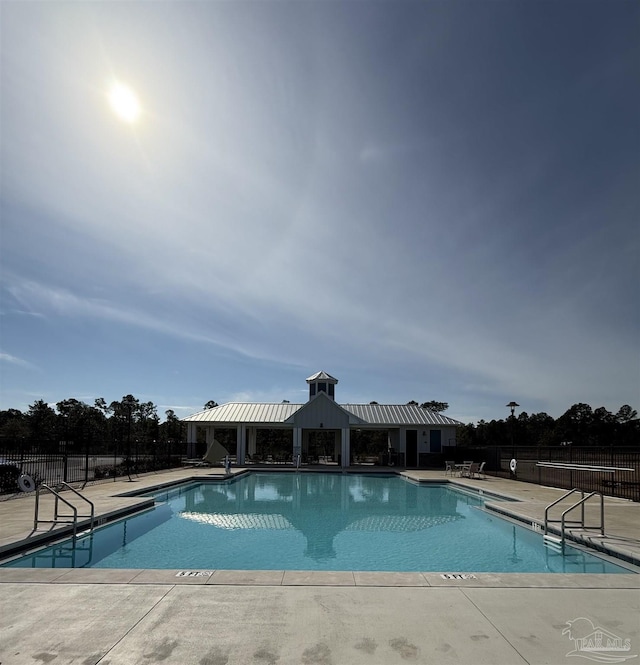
[
  {"x": 622, "y": 479},
  {"x": 52, "y": 462}
]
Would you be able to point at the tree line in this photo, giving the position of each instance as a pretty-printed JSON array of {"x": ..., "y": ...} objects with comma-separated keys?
[
  {"x": 131, "y": 420},
  {"x": 578, "y": 426},
  {"x": 76, "y": 422}
]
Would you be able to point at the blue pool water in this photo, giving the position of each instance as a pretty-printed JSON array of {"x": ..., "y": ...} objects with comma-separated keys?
[{"x": 318, "y": 521}]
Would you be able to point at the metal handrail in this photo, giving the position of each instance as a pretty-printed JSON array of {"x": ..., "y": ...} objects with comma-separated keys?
[
  {"x": 36, "y": 521},
  {"x": 563, "y": 521},
  {"x": 581, "y": 503},
  {"x": 551, "y": 505},
  {"x": 84, "y": 498},
  {"x": 57, "y": 518}
]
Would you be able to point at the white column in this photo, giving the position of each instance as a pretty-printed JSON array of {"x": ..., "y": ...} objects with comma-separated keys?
[
  {"x": 346, "y": 446},
  {"x": 209, "y": 436},
  {"x": 252, "y": 440},
  {"x": 297, "y": 442},
  {"x": 240, "y": 444},
  {"x": 192, "y": 438}
]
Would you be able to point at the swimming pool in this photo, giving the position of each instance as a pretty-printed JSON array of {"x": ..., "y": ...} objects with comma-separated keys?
[{"x": 318, "y": 521}]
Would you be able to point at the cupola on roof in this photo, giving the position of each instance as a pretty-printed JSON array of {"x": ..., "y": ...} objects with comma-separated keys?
[
  {"x": 321, "y": 382},
  {"x": 322, "y": 376}
]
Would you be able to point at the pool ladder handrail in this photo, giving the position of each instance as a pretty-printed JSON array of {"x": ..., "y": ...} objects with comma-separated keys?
[
  {"x": 564, "y": 522},
  {"x": 57, "y": 517}
]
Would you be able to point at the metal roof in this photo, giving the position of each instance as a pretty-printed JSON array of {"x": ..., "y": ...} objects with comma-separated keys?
[
  {"x": 371, "y": 414},
  {"x": 398, "y": 414},
  {"x": 242, "y": 412}
]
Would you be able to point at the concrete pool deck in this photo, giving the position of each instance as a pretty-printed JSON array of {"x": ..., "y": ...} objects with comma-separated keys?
[{"x": 114, "y": 617}]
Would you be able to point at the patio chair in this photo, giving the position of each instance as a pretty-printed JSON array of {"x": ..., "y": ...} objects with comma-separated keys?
[
  {"x": 480, "y": 471},
  {"x": 449, "y": 468},
  {"x": 469, "y": 471}
]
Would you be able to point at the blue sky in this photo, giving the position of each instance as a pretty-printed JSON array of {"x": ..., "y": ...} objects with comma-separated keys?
[{"x": 428, "y": 200}]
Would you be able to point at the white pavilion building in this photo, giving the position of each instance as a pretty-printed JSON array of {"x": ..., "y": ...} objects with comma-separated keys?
[{"x": 323, "y": 431}]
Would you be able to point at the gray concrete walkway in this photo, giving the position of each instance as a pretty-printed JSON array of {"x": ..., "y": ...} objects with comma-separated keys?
[{"x": 113, "y": 617}]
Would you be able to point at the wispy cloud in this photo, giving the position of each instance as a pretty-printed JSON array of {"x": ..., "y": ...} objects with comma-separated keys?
[
  {"x": 13, "y": 360},
  {"x": 62, "y": 302}
]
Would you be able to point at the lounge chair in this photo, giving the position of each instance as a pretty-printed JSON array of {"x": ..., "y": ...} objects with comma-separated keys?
[
  {"x": 449, "y": 468},
  {"x": 195, "y": 461},
  {"x": 480, "y": 471}
]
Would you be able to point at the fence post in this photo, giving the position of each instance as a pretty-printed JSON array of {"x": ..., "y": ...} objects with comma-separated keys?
[
  {"x": 65, "y": 459},
  {"x": 86, "y": 463}
]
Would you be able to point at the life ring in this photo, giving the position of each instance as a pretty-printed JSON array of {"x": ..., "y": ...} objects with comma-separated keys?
[
  {"x": 513, "y": 465},
  {"x": 26, "y": 483}
]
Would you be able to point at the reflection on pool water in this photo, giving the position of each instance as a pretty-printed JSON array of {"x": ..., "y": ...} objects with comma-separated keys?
[{"x": 318, "y": 521}]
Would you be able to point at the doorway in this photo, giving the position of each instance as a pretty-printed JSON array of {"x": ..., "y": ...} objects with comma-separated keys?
[
  {"x": 411, "y": 448},
  {"x": 435, "y": 441}
]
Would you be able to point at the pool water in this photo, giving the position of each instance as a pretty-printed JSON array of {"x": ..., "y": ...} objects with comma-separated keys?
[{"x": 318, "y": 521}]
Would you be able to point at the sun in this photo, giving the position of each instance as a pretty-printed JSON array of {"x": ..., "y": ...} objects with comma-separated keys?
[{"x": 124, "y": 103}]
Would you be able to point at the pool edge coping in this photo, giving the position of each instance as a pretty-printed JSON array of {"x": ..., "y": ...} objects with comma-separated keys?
[{"x": 289, "y": 578}]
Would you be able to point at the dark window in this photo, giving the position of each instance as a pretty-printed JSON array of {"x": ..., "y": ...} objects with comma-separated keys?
[
  {"x": 332, "y": 391},
  {"x": 322, "y": 387},
  {"x": 312, "y": 389}
]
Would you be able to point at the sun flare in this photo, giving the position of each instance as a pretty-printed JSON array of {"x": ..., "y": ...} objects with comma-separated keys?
[{"x": 124, "y": 103}]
